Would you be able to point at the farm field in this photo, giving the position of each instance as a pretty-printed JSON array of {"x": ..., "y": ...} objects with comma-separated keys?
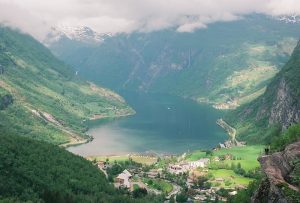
[
  {"x": 146, "y": 160},
  {"x": 158, "y": 184},
  {"x": 228, "y": 178},
  {"x": 246, "y": 156}
]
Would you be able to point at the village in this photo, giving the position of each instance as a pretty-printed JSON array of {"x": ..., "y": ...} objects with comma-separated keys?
[{"x": 212, "y": 175}]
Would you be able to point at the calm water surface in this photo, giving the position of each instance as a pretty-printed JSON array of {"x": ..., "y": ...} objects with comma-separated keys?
[{"x": 162, "y": 124}]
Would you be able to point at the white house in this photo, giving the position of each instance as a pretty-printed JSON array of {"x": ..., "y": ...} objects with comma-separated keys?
[
  {"x": 199, "y": 163},
  {"x": 124, "y": 179},
  {"x": 186, "y": 166}
]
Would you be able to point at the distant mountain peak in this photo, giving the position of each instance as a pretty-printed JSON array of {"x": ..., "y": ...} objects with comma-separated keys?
[
  {"x": 75, "y": 33},
  {"x": 289, "y": 18}
]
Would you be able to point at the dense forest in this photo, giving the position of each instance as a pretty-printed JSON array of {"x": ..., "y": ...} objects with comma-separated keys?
[{"x": 40, "y": 172}]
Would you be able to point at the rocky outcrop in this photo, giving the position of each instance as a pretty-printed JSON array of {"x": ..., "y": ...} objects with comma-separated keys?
[
  {"x": 285, "y": 108},
  {"x": 277, "y": 168},
  {"x": 5, "y": 101}
]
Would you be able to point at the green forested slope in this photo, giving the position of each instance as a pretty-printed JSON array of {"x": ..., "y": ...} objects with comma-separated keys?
[
  {"x": 49, "y": 102},
  {"x": 39, "y": 172},
  {"x": 277, "y": 108}
]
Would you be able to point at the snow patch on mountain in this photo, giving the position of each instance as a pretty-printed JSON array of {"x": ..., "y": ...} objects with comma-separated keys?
[
  {"x": 79, "y": 33},
  {"x": 293, "y": 19}
]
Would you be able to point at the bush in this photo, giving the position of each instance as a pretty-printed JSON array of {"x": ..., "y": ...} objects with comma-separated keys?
[
  {"x": 140, "y": 192},
  {"x": 245, "y": 194},
  {"x": 181, "y": 197},
  {"x": 291, "y": 135}
]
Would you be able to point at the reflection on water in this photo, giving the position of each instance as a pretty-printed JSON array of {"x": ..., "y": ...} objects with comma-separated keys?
[{"x": 163, "y": 123}]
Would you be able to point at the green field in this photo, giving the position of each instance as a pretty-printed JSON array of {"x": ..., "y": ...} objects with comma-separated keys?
[
  {"x": 247, "y": 156},
  {"x": 158, "y": 184},
  {"x": 229, "y": 177},
  {"x": 196, "y": 155},
  {"x": 146, "y": 160}
]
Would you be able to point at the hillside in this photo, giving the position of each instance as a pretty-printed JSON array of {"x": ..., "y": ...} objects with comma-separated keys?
[
  {"x": 220, "y": 65},
  {"x": 276, "y": 109},
  {"x": 42, "y": 98},
  {"x": 33, "y": 171}
]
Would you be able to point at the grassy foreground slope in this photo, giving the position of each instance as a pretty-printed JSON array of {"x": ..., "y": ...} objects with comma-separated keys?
[
  {"x": 36, "y": 171},
  {"x": 49, "y": 102}
]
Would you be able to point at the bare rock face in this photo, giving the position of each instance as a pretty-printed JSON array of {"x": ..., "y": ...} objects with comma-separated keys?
[
  {"x": 277, "y": 168},
  {"x": 285, "y": 108}
]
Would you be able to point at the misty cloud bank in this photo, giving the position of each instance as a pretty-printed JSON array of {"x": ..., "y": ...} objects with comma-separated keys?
[{"x": 37, "y": 17}]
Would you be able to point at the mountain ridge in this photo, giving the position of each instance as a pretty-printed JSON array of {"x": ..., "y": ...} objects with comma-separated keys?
[
  {"x": 218, "y": 65},
  {"x": 82, "y": 34}
]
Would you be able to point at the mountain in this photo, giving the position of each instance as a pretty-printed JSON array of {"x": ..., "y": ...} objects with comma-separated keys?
[
  {"x": 44, "y": 99},
  {"x": 276, "y": 109},
  {"x": 227, "y": 64},
  {"x": 82, "y": 34},
  {"x": 290, "y": 19},
  {"x": 274, "y": 119}
]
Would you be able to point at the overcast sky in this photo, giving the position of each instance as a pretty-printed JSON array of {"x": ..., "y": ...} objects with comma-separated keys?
[{"x": 38, "y": 16}]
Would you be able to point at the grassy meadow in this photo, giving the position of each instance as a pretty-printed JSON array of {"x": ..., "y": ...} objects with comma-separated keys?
[
  {"x": 246, "y": 156},
  {"x": 145, "y": 160},
  {"x": 229, "y": 178}
]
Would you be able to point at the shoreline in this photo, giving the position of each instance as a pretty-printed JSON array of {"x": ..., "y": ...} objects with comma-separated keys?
[
  {"x": 99, "y": 117},
  {"x": 222, "y": 106},
  {"x": 231, "y": 131},
  {"x": 82, "y": 140},
  {"x": 90, "y": 138},
  {"x": 147, "y": 159}
]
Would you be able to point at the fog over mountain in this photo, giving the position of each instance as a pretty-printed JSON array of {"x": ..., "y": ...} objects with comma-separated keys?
[{"x": 115, "y": 16}]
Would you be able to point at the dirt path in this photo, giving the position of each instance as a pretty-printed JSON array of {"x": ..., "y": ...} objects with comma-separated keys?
[{"x": 74, "y": 138}]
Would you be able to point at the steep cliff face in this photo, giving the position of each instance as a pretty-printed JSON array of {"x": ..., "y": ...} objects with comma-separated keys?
[
  {"x": 278, "y": 106},
  {"x": 284, "y": 92},
  {"x": 278, "y": 168},
  {"x": 285, "y": 108}
]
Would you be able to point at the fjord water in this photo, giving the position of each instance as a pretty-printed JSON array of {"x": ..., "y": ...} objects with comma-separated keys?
[{"x": 162, "y": 124}]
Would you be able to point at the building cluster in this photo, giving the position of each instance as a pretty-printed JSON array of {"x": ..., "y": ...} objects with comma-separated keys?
[
  {"x": 184, "y": 167},
  {"x": 131, "y": 178}
]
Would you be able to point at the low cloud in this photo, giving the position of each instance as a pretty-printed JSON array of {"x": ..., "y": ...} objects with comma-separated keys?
[{"x": 37, "y": 17}]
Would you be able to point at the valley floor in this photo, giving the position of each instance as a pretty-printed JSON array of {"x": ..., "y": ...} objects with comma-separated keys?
[{"x": 206, "y": 174}]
